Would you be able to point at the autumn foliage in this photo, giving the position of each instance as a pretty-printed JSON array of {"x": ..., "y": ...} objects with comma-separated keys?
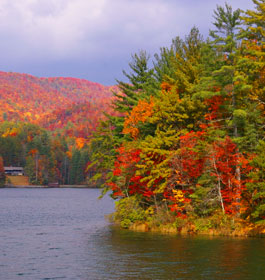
[
  {"x": 189, "y": 131},
  {"x": 47, "y": 123},
  {"x": 72, "y": 105},
  {"x": 182, "y": 140},
  {"x": 139, "y": 114}
]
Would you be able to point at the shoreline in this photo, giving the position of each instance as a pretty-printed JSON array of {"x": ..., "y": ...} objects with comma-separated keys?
[
  {"x": 245, "y": 232},
  {"x": 47, "y": 187}
]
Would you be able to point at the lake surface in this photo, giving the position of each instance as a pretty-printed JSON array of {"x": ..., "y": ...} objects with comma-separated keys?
[{"x": 62, "y": 234}]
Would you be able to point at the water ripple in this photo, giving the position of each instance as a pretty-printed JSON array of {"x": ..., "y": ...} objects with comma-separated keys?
[{"x": 62, "y": 234}]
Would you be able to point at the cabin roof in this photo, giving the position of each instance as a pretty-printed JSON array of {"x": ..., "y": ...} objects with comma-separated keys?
[{"x": 13, "y": 168}]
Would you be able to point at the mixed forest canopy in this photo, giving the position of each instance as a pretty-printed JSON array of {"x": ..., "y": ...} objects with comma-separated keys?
[
  {"x": 188, "y": 136},
  {"x": 182, "y": 138},
  {"x": 46, "y": 124}
]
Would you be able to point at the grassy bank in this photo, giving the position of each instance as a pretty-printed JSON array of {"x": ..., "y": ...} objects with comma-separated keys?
[
  {"x": 130, "y": 215},
  {"x": 238, "y": 230},
  {"x": 17, "y": 180}
]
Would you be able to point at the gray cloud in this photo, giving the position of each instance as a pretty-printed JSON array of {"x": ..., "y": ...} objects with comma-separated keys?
[{"x": 90, "y": 34}]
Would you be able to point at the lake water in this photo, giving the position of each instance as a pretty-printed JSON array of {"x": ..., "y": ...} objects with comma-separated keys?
[{"x": 62, "y": 234}]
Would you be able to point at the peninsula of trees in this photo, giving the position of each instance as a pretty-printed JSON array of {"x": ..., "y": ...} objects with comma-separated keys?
[{"x": 186, "y": 147}]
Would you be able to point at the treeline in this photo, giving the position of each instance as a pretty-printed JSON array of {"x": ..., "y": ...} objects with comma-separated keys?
[
  {"x": 45, "y": 156},
  {"x": 187, "y": 141}
]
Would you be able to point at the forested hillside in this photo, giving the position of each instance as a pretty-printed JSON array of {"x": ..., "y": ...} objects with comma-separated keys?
[
  {"x": 188, "y": 148},
  {"x": 53, "y": 102},
  {"x": 46, "y": 124}
]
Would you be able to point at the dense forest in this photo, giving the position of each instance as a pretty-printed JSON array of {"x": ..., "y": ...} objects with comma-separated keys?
[
  {"x": 186, "y": 146},
  {"x": 46, "y": 124},
  {"x": 179, "y": 143},
  {"x": 71, "y": 104}
]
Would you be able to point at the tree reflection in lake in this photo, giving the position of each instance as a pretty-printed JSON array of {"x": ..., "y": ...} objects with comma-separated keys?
[
  {"x": 62, "y": 234},
  {"x": 137, "y": 255}
]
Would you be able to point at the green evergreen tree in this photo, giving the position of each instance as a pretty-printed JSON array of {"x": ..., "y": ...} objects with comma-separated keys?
[
  {"x": 141, "y": 84},
  {"x": 75, "y": 168},
  {"x": 30, "y": 170},
  {"x": 252, "y": 66},
  {"x": 103, "y": 151},
  {"x": 226, "y": 42},
  {"x": 256, "y": 188},
  {"x": 2, "y": 172}
]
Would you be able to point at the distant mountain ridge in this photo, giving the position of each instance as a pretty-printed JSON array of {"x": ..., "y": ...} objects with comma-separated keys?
[{"x": 74, "y": 105}]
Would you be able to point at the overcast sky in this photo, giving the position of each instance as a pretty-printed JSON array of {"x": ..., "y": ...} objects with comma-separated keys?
[{"x": 94, "y": 39}]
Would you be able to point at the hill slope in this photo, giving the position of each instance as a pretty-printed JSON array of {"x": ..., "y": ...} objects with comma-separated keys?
[{"x": 74, "y": 105}]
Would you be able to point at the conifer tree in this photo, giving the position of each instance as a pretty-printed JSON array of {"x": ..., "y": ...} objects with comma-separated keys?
[
  {"x": 141, "y": 83},
  {"x": 256, "y": 187},
  {"x": 252, "y": 64},
  {"x": 227, "y": 23},
  {"x": 174, "y": 113},
  {"x": 226, "y": 42},
  {"x": 178, "y": 68},
  {"x": 2, "y": 172},
  {"x": 75, "y": 168}
]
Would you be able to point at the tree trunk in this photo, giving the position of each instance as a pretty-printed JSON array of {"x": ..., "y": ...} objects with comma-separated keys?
[{"x": 219, "y": 186}]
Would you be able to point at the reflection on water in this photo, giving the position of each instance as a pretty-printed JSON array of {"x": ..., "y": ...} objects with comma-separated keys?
[
  {"x": 153, "y": 256},
  {"x": 62, "y": 234}
]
